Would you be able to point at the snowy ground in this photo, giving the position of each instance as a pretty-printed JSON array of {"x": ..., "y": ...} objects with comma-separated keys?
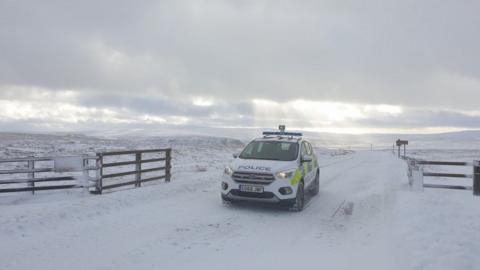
[{"x": 184, "y": 225}]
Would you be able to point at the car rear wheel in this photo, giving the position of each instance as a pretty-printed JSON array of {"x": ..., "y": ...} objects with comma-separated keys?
[{"x": 316, "y": 185}]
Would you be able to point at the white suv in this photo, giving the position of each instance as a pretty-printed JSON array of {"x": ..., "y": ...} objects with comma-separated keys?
[{"x": 277, "y": 168}]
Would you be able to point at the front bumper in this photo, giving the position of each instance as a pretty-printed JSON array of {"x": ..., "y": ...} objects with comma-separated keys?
[
  {"x": 233, "y": 196},
  {"x": 271, "y": 193}
]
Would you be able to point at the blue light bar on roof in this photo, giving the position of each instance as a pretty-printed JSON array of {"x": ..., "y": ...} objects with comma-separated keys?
[{"x": 277, "y": 133}]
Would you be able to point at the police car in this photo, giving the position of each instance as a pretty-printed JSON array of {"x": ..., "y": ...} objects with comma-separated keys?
[{"x": 279, "y": 167}]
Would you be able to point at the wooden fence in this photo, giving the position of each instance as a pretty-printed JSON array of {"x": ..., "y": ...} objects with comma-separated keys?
[
  {"x": 416, "y": 174},
  {"x": 48, "y": 173}
]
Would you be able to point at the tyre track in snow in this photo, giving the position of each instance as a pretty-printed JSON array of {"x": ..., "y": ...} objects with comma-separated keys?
[
  {"x": 366, "y": 185},
  {"x": 329, "y": 173}
]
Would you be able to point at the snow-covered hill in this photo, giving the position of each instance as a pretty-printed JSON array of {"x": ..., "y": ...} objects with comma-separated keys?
[{"x": 20, "y": 144}]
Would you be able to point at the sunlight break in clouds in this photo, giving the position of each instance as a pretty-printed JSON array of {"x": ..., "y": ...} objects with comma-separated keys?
[
  {"x": 60, "y": 112},
  {"x": 319, "y": 115},
  {"x": 202, "y": 101},
  {"x": 64, "y": 109},
  {"x": 57, "y": 112}
]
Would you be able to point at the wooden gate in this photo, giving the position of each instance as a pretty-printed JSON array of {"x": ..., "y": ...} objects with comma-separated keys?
[{"x": 114, "y": 166}]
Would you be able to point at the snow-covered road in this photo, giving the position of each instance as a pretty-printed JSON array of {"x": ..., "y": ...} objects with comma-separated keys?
[{"x": 184, "y": 225}]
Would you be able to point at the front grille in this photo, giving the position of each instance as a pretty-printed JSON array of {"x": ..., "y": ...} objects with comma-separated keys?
[
  {"x": 253, "y": 178},
  {"x": 264, "y": 195}
]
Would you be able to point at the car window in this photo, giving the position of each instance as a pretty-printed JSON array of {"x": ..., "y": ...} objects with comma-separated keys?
[
  {"x": 248, "y": 150},
  {"x": 304, "y": 149},
  {"x": 310, "y": 149},
  {"x": 284, "y": 151}
]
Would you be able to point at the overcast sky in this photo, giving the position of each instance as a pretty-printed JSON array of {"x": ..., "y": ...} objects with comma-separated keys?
[{"x": 337, "y": 66}]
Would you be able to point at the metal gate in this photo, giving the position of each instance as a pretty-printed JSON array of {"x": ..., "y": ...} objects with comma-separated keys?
[
  {"x": 46, "y": 173},
  {"x": 106, "y": 170}
]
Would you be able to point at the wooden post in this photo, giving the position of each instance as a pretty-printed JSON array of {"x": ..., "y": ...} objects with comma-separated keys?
[
  {"x": 31, "y": 175},
  {"x": 399, "y": 152},
  {"x": 168, "y": 159},
  {"x": 99, "y": 185},
  {"x": 86, "y": 176},
  {"x": 411, "y": 165},
  {"x": 404, "y": 151},
  {"x": 476, "y": 178},
  {"x": 138, "y": 168}
]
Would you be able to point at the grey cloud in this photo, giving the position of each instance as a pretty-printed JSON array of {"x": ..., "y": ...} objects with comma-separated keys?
[
  {"x": 153, "y": 56},
  {"x": 396, "y": 52},
  {"x": 163, "y": 106}
]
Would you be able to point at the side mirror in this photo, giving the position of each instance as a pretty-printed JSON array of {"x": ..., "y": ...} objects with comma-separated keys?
[
  {"x": 235, "y": 155},
  {"x": 306, "y": 159}
]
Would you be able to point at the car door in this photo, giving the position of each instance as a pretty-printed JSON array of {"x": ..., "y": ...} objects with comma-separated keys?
[
  {"x": 307, "y": 166},
  {"x": 314, "y": 157}
]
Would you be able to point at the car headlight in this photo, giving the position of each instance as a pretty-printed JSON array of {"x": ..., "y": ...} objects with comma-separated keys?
[
  {"x": 285, "y": 174},
  {"x": 228, "y": 171}
]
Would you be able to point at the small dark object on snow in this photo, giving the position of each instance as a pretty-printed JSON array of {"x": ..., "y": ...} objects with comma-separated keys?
[{"x": 348, "y": 209}]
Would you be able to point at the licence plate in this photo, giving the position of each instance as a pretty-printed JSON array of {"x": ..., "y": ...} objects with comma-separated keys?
[{"x": 255, "y": 189}]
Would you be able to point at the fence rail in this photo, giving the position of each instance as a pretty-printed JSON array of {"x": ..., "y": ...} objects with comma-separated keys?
[
  {"x": 444, "y": 163},
  {"x": 26, "y": 174}
]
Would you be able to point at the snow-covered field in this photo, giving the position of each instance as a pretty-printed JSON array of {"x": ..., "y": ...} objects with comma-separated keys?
[{"x": 184, "y": 224}]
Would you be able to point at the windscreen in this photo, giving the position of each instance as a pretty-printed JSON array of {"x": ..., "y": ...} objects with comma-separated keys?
[{"x": 284, "y": 151}]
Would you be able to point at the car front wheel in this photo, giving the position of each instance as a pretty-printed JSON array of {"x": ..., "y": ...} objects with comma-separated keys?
[{"x": 300, "y": 198}]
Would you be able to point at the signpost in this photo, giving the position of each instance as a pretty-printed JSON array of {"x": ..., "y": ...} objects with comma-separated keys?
[{"x": 399, "y": 145}]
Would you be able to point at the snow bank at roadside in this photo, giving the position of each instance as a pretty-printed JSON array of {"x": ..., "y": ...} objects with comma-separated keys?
[{"x": 437, "y": 229}]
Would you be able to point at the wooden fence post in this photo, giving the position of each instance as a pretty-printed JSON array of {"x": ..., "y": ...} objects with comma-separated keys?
[
  {"x": 99, "y": 186},
  {"x": 476, "y": 178},
  {"x": 31, "y": 175},
  {"x": 411, "y": 165},
  {"x": 168, "y": 159},
  {"x": 85, "y": 173},
  {"x": 138, "y": 168}
]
